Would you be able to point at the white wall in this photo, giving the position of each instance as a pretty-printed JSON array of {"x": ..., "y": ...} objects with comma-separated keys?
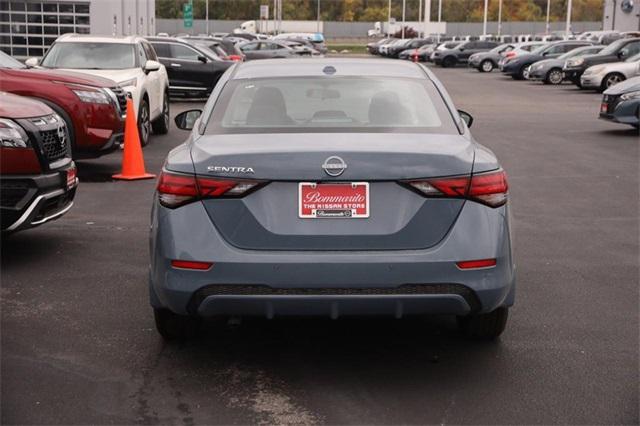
[{"x": 132, "y": 17}]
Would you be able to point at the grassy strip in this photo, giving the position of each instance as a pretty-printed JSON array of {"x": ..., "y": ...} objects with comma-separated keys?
[{"x": 352, "y": 48}]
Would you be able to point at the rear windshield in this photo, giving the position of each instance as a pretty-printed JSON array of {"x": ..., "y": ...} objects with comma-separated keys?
[
  {"x": 85, "y": 55},
  {"x": 330, "y": 104}
]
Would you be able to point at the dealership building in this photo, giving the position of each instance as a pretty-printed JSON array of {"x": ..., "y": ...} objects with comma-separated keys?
[
  {"x": 621, "y": 15},
  {"x": 28, "y": 27}
]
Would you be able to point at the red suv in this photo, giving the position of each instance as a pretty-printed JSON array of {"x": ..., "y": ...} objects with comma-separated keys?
[
  {"x": 37, "y": 176},
  {"x": 92, "y": 107}
]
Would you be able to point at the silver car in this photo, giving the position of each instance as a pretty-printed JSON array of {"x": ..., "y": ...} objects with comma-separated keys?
[{"x": 330, "y": 187}]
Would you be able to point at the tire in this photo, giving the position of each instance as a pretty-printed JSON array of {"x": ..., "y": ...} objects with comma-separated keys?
[
  {"x": 522, "y": 72},
  {"x": 486, "y": 66},
  {"x": 484, "y": 326},
  {"x": 610, "y": 80},
  {"x": 144, "y": 122},
  {"x": 161, "y": 124},
  {"x": 448, "y": 62},
  {"x": 172, "y": 326},
  {"x": 554, "y": 76}
]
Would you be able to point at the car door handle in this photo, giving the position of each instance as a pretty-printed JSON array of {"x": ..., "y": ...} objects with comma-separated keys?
[{"x": 176, "y": 65}]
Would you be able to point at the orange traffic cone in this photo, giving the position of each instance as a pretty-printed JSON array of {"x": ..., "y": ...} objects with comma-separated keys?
[{"x": 132, "y": 161}]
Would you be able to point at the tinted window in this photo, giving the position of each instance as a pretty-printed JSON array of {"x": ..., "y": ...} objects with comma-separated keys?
[
  {"x": 346, "y": 104},
  {"x": 162, "y": 50},
  {"x": 249, "y": 47},
  {"x": 632, "y": 48},
  {"x": 179, "y": 51},
  {"x": 91, "y": 55}
]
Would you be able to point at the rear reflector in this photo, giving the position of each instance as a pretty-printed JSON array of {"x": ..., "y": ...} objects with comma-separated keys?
[
  {"x": 476, "y": 264},
  {"x": 190, "y": 264},
  {"x": 488, "y": 188},
  {"x": 175, "y": 190}
]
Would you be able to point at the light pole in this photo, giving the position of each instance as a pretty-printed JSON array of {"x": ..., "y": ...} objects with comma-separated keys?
[
  {"x": 548, "y": 9},
  {"x": 568, "y": 27},
  {"x": 427, "y": 16},
  {"x": 206, "y": 15},
  {"x": 439, "y": 17},
  {"x": 389, "y": 20},
  {"x": 318, "y": 25},
  {"x": 404, "y": 12},
  {"x": 484, "y": 25},
  {"x": 500, "y": 18},
  {"x": 420, "y": 15}
]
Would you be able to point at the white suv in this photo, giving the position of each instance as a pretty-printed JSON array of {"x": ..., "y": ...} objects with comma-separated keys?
[{"x": 130, "y": 61}]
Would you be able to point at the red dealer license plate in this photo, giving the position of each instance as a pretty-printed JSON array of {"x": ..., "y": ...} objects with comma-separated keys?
[{"x": 333, "y": 200}]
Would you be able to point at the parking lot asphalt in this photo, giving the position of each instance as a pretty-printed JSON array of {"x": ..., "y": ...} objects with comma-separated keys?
[{"x": 78, "y": 343}]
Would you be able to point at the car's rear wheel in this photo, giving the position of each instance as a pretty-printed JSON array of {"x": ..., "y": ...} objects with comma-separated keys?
[
  {"x": 486, "y": 66},
  {"x": 611, "y": 80},
  {"x": 554, "y": 76},
  {"x": 449, "y": 61},
  {"x": 172, "y": 326},
  {"x": 144, "y": 122},
  {"x": 161, "y": 124},
  {"x": 484, "y": 326}
]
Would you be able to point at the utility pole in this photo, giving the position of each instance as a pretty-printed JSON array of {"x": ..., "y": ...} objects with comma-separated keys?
[
  {"x": 568, "y": 28},
  {"x": 484, "y": 25},
  {"x": 420, "y": 15},
  {"x": 318, "y": 24},
  {"x": 548, "y": 9},
  {"x": 500, "y": 18},
  {"x": 404, "y": 13}
]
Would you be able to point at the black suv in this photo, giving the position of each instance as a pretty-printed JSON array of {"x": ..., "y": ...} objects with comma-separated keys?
[
  {"x": 38, "y": 178},
  {"x": 617, "y": 51},
  {"x": 193, "y": 70},
  {"x": 460, "y": 54}
]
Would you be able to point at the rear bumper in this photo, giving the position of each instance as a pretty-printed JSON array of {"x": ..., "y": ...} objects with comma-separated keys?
[
  {"x": 590, "y": 81},
  {"x": 330, "y": 283}
]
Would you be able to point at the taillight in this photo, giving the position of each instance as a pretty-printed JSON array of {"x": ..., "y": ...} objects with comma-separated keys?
[
  {"x": 191, "y": 264},
  {"x": 235, "y": 58},
  {"x": 510, "y": 54},
  {"x": 487, "y": 188},
  {"x": 175, "y": 190},
  {"x": 476, "y": 264}
]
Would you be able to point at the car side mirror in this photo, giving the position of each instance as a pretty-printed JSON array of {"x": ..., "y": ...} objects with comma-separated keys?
[
  {"x": 622, "y": 54},
  {"x": 151, "y": 66},
  {"x": 202, "y": 59},
  {"x": 32, "y": 62},
  {"x": 466, "y": 117},
  {"x": 462, "y": 49},
  {"x": 187, "y": 119}
]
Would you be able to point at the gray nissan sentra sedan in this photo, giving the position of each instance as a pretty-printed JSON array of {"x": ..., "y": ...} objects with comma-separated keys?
[{"x": 330, "y": 187}]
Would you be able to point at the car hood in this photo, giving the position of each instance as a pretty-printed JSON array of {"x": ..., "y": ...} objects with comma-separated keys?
[
  {"x": 13, "y": 106},
  {"x": 294, "y": 156},
  {"x": 115, "y": 75},
  {"x": 623, "y": 67},
  {"x": 65, "y": 76},
  {"x": 551, "y": 62},
  {"x": 630, "y": 85}
]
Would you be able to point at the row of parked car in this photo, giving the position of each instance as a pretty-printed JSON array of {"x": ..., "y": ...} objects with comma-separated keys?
[
  {"x": 580, "y": 60},
  {"x": 72, "y": 103}
]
